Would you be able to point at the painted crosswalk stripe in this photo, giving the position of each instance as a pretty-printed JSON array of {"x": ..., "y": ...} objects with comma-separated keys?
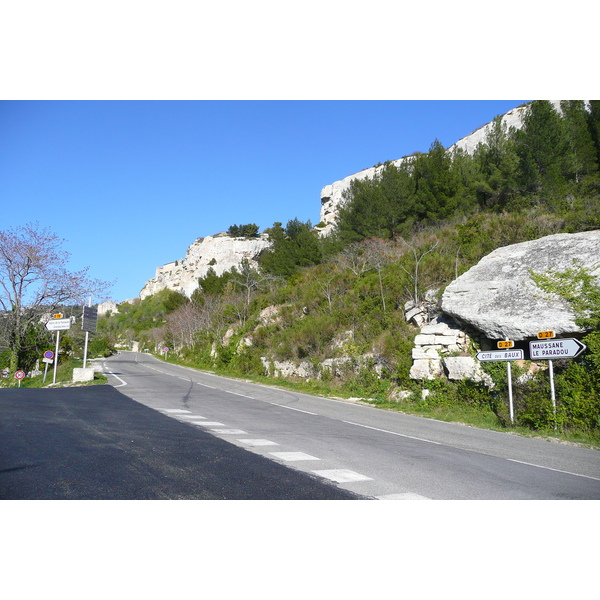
[
  {"x": 259, "y": 442},
  {"x": 292, "y": 456},
  {"x": 342, "y": 475}
]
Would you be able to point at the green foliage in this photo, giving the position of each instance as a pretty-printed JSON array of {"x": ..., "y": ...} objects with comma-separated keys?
[
  {"x": 212, "y": 283},
  {"x": 142, "y": 315},
  {"x": 293, "y": 247},
  {"x": 100, "y": 347},
  {"x": 249, "y": 230}
]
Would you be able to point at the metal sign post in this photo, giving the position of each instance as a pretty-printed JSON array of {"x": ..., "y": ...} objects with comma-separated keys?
[
  {"x": 19, "y": 375},
  {"x": 48, "y": 359},
  {"x": 554, "y": 348},
  {"x": 509, "y": 344},
  {"x": 57, "y": 324},
  {"x": 504, "y": 355},
  {"x": 56, "y": 354}
]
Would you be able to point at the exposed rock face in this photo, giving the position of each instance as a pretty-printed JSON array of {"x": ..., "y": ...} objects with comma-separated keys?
[
  {"x": 221, "y": 252},
  {"x": 332, "y": 195},
  {"x": 498, "y": 297}
]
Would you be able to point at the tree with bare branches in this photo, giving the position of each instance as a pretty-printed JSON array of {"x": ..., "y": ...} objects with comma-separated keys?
[{"x": 34, "y": 281}]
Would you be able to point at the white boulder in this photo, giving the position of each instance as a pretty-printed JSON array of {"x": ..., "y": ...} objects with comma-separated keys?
[{"x": 498, "y": 297}]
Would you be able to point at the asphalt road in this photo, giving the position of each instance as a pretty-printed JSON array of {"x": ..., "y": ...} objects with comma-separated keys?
[
  {"x": 374, "y": 453},
  {"x": 94, "y": 443}
]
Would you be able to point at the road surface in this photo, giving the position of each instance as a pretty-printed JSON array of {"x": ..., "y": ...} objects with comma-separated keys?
[{"x": 370, "y": 452}]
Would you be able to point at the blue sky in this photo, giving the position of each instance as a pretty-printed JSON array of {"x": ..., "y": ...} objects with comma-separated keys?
[{"x": 131, "y": 184}]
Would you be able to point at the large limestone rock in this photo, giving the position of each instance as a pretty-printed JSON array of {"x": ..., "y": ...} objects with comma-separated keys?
[
  {"x": 221, "y": 252},
  {"x": 498, "y": 297}
]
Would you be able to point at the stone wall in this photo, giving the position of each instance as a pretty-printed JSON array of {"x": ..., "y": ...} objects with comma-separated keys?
[{"x": 442, "y": 349}]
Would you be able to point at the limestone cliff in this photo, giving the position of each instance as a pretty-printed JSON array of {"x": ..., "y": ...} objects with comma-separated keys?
[{"x": 220, "y": 251}]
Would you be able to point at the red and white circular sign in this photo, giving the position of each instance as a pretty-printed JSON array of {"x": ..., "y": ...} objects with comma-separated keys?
[{"x": 19, "y": 374}]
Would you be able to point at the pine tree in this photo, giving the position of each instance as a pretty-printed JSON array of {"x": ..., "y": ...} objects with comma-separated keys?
[
  {"x": 542, "y": 146},
  {"x": 581, "y": 160}
]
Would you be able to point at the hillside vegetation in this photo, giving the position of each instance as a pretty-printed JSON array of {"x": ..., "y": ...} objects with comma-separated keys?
[{"x": 403, "y": 234}]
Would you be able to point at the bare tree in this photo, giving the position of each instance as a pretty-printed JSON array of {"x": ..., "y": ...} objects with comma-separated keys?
[
  {"x": 250, "y": 280},
  {"x": 353, "y": 258},
  {"x": 378, "y": 254},
  {"x": 34, "y": 281},
  {"x": 415, "y": 273},
  {"x": 326, "y": 278}
]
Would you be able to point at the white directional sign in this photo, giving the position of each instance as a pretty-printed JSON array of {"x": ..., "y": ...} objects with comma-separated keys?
[
  {"x": 58, "y": 324},
  {"x": 500, "y": 355},
  {"x": 556, "y": 348}
]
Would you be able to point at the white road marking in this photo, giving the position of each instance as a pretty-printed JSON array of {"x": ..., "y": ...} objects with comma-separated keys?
[
  {"x": 402, "y": 496},
  {"x": 259, "y": 442},
  {"x": 342, "y": 475},
  {"x": 174, "y": 410},
  {"x": 394, "y": 433},
  {"x": 296, "y": 409},
  {"x": 121, "y": 380},
  {"x": 232, "y": 431},
  {"x": 242, "y": 395},
  {"x": 210, "y": 424},
  {"x": 291, "y": 456},
  {"x": 192, "y": 417},
  {"x": 551, "y": 469}
]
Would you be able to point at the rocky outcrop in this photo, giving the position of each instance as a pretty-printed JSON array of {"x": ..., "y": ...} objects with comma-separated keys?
[
  {"x": 498, "y": 298},
  {"x": 220, "y": 252}
]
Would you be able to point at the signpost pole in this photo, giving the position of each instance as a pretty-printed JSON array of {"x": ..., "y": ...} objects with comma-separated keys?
[
  {"x": 510, "y": 394},
  {"x": 45, "y": 373},
  {"x": 87, "y": 337},
  {"x": 56, "y": 356},
  {"x": 552, "y": 393}
]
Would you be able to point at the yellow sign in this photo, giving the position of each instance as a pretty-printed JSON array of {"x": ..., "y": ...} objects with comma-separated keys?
[
  {"x": 506, "y": 344},
  {"x": 57, "y": 316},
  {"x": 542, "y": 335}
]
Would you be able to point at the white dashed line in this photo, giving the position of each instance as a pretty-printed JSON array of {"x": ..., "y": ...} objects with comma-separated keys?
[
  {"x": 174, "y": 410},
  {"x": 228, "y": 431},
  {"x": 242, "y": 395},
  {"x": 192, "y": 417},
  {"x": 210, "y": 424},
  {"x": 393, "y": 433},
  {"x": 402, "y": 496},
  {"x": 296, "y": 409},
  {"x": 259, "y": 442},
  {"x": 292, "y": 456},
  {"x": 551, "y": 469},
  {"x": 342, "y": 475}
]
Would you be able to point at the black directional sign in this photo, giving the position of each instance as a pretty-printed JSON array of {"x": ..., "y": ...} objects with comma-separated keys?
[{"x": 90, "y": 319}]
